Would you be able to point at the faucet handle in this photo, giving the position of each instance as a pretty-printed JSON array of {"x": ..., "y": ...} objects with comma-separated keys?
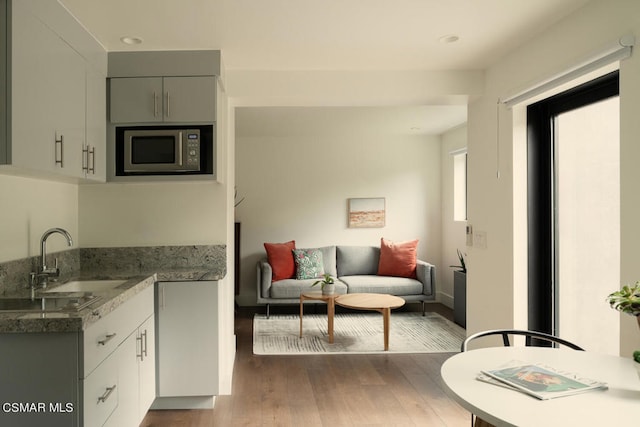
[{"x": 56, "y": 271}]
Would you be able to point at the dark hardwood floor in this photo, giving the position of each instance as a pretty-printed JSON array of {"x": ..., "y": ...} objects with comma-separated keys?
[{"x": 326, "y": 390}]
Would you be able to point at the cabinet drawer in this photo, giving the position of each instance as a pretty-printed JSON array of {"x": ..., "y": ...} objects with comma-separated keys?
[
  {"x": 104, "y": 336},
  {"x": 100, "y": 394}
]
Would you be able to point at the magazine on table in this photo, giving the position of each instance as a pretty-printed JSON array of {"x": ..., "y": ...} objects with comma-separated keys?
[{"x": 540, "y": 381}]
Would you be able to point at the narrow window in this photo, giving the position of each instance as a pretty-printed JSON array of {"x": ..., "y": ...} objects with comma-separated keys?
[{"x": 460, "y": 186}]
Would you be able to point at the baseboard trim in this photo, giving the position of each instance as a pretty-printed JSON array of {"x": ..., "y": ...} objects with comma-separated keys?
[
  {"x": 190, "y": 402},
  {"x": 445, "y": 299}
]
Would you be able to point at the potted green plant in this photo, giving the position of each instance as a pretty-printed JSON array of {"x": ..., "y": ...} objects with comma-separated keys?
[
  {"x": 327, "y": 284},
  {"x": 463, "y": 266},
  {"x": 627, "y": 300}
]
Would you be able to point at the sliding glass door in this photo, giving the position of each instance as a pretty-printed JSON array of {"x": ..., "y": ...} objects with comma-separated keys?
[{"x": 574, "y": 213}]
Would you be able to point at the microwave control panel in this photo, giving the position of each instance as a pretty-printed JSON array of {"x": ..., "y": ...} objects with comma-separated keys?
[{"x": 192, "y": 157}]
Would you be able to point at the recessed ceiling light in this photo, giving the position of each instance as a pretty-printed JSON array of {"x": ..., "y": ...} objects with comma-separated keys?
[
  {"x": 130, "y": 40},
  {"x": 450, "y": 38}
]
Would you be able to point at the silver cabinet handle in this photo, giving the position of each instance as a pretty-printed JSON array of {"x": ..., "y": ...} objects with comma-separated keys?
[
  {"x": 61, "y": 142},
  {"x": 85, "y": 158},
  {"x": 106, "y": 394},
  {"x": 143, "y": 345},
  {"x": 144, "y": 334},
  {"x": 107, "y": 338},
  {"x": 155, "y": 104},
  {"x": 141, "y": 355},
  {"x": 92, "y": 155},
  {"x": 168, "y": 102}
]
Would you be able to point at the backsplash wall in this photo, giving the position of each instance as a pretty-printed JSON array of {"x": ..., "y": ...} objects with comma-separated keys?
[
  {"x": 207, "y": 262},
  {"x": 29, "y": 208}
]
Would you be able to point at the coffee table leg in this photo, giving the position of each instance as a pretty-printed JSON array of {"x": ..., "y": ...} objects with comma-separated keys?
[
  {"x": 386, "y": 316},
  {"x": 301, "y": 313},
  {"x": 331, "y": 309}
]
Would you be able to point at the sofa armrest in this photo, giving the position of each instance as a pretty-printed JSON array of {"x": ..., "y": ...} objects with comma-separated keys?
[
  {"x": 264, "y": 276},
  {"x": 426, "y": 273}
]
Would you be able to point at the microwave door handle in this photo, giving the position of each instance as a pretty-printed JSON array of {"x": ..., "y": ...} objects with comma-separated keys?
[
  {"x": 155, "y": 104},
  {"x": 180, "y": 148}
]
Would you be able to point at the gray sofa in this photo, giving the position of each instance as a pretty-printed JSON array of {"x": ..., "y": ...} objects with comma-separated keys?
[{"x": 355, "y": 268}]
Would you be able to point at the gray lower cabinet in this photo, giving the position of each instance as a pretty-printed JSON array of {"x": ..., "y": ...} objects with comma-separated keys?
[
  {"x": 460, "y": 298},
  {"x": 163, "y": 99},
  {"x": 104, "y": 375},
  {"x": 187, "y": 354}
]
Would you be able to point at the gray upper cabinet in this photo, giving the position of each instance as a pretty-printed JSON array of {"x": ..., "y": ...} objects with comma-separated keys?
[
  {"x": 136, "y": 99},
  {"x": 163, "y": 99},
  {"x": 56, "y": 110},
  {"x": 95, "y": 147}
]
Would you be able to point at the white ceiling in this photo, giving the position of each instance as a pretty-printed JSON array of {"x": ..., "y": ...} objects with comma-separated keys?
[
  {"x": 326, "y": 34},
  {"x": 331, "y": 35}
]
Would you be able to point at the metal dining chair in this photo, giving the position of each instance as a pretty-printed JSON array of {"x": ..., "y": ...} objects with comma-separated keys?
[
  {"x": 505, "y": 333},
  {"x": 529, "y": 336}
]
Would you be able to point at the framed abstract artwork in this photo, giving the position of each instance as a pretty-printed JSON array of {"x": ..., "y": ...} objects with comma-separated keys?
[{"x": 367, "y": 212}]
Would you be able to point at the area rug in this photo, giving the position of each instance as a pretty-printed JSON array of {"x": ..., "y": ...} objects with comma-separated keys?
[{"x": 362, "y": 333}]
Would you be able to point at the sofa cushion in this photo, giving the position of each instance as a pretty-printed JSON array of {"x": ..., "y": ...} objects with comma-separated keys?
[
  {"x": 329, "y": 260},
  {"x": 309, "y": 264},
  {"x": 280, "y": 256},
  {"x": 357, "y": 260},
  {"x": 398, "y": 259},
  {"x": 291, "y": 288},
  {"x": 382, "y": 285}
]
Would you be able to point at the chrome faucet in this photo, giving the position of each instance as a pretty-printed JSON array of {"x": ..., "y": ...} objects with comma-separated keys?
[{"x": 41, "y": 276}]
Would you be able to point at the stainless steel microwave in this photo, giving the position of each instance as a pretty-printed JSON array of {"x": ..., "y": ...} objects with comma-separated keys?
[{"x": 163, "y": 150}]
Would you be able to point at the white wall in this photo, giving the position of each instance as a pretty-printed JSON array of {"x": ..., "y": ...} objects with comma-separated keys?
[
  {"x": 30, "y": 207},
  {"x": 453, "y": 232},
  {"x": 495, "y": 277},
  {"x": 167, "y": 213},
  {"x": 296, "y": 188}
]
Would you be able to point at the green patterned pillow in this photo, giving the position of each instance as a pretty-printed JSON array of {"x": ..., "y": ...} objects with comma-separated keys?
[{"x": 309, "y": 264}]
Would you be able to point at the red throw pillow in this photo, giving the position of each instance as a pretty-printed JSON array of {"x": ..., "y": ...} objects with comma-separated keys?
[
  {"x": 398, "y": 259},
  {"x": 280, "y": 256}
]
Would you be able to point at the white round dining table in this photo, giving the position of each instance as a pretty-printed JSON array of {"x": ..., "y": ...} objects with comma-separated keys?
[{"x": 618, "y": 405}]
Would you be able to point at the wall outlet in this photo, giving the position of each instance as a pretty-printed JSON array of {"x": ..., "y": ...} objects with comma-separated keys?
[{"x": 480, "y": 239}]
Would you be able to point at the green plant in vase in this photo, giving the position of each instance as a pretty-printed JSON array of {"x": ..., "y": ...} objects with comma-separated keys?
[
  {"x": 327, "y": 284},
  {"x": 463, "y": 266},
  {"x": 627, "y": 300}
]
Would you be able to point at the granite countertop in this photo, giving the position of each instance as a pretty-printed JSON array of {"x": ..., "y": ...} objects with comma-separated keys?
[
  {"x": 71, "y": 321},
  {"x": 109, "y": 300},
  {"x": 137, "y": 267}
]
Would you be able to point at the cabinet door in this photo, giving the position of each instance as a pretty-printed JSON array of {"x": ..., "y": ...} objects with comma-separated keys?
[
  {"x": 136, "y": 100},
  {"x": 186, "y": 340},
  {"x": 190, "y": 99},
  {"x": 67, "y": 106},
  {"x": 147, "y": 366},
  {"x": 95, "y": 161},
  {"x": 47, "y": 98}
]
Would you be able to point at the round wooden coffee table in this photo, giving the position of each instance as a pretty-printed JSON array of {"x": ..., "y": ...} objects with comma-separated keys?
[{"x": 382, "y": 303}]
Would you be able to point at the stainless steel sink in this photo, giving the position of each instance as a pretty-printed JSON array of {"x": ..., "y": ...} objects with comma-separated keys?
[
  {"x": 45, "y": 304},
  {"x": 86, "y": 286}
]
